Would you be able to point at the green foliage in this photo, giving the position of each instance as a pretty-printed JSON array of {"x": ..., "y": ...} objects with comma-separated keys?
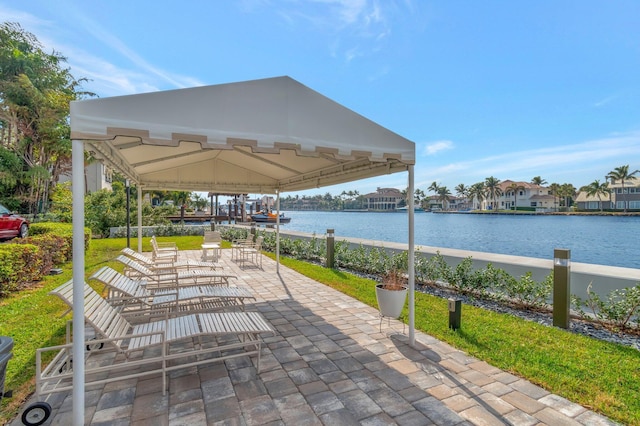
[
  {"x": 487, "y": 282},
  {"x": 28, "y": 260},
  {"x": 53, "y": 250},
  {"x": 62, "y": 202},
  {"x": 64, "y": 230},
  {"x": 20, "y": 267},
  {"x": 528, "y": 293},
  {"x": 10, "y": 171},
  {"x": 105, "y": 209},
  {"x": 620, "y": 310},
  {"x": 35, "y": 91}
]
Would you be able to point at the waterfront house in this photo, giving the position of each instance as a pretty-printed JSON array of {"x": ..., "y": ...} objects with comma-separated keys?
[
  {"x": 527, "y": 196},
  {"x": 435, "y": 203},
  {"x": 628, "y": 194},
  {"x": 384, "y": 199}
]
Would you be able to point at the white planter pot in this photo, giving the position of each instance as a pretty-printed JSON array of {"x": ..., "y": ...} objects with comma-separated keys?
[{"x": 390, "y": 302}]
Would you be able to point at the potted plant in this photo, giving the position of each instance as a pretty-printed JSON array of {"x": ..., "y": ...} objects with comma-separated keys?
[{"x": 391, "y": 294}]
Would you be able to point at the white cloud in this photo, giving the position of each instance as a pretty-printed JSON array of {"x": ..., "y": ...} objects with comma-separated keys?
[
  {"x": 105, "y": 78},
  {"x": 433, "y": 148},
  {"x": 593, "y": 158}
]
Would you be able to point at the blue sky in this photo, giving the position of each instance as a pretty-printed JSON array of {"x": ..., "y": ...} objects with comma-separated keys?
[{"x": 510, "y": 89}]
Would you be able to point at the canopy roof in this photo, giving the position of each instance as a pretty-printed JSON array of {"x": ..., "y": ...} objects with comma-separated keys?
[{"x": 258, "y": 136}]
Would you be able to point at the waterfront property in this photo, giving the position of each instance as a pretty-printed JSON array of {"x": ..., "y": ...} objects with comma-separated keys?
[
  {"x": 619, "y": 197},
  {"x": 384, "y": 200},
  {"x": 525, "y": 195}
]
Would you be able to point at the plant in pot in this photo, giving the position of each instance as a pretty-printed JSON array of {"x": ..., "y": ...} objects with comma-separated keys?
[{"x": 391, "y": 294}]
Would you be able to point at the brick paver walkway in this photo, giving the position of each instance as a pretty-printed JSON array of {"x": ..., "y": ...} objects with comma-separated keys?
[{"x": 328, "y": 364}]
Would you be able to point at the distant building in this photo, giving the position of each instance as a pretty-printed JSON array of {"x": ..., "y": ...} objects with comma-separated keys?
[
  {"x": 384, "y": 199},
  {"x": 527, "y": 197},
  {"x": 97, "y": 176},
  {"x": 629, "y": 195},
  {"x": 433, "y": 202}
]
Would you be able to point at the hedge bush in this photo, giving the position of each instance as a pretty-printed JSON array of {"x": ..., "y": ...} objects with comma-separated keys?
[
  {"x": 27, "y": 260},
  {"x": 21, "y": 266},
  {"x": 64, "y": 230}
]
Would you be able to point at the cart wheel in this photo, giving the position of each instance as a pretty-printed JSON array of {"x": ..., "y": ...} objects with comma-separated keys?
[
  {"x": 94, "y": 347},
  {"x": 36, "y": 414}
]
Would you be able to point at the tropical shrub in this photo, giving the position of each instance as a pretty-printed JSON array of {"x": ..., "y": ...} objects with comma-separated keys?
[
  {"x": 620, "y": 310},
  {"x": 21, "y": 266},
  {"x": 64, "y": 230}
]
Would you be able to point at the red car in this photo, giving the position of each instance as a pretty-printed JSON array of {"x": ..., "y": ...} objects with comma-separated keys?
[{"x": 12, "y": 225}]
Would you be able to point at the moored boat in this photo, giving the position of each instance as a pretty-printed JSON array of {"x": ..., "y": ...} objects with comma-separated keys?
[{"x": 269, "y": 218}]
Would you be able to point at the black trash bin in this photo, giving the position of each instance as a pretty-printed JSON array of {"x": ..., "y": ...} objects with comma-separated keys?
[{"x": 6, "y": 346}]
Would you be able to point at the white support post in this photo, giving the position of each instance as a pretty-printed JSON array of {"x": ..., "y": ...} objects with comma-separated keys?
[
  {"x": 139, "y": 218},
  {"x": 278, "y": 231},
  {"x": 411, "y": 261},
  {"x": 78, "y": 190}
]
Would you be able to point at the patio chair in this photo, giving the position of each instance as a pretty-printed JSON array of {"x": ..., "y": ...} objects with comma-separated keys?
[
  {"x": 211, "y": 242},
  {"x": 165, "y": 276},
  {"x": 164, "y": 250},
  {"x": 156, "y": 347},
  {"x": 168, "y": 263},
  {"x": 238, "y": 245},
  {"x": 134, "y": 296},
  {"x": 251, "y": 252}
]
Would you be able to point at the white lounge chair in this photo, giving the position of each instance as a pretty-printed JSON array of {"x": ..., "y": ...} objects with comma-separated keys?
[
  {"x": 136, "y": 298},
  {"x": 171, "y": 277},
  {"x": 137, "y": 343},
  {"x": 168, "y": 263},
  {"x": 164, "y": 251}
]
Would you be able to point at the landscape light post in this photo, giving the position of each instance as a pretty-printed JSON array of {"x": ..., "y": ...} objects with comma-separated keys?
[
  {"x": 330, "y": 248},
  {"x": 561, "y": 287}
]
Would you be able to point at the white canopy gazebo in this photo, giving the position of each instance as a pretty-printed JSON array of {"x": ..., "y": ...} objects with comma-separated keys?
[{"x": 263, "y": 136}]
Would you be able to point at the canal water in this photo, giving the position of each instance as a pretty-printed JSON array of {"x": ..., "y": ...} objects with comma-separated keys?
[{"x": 603, "y": 240}]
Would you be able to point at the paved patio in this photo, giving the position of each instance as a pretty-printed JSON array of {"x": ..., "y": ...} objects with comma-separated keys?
[{"x": 327, "y": 364}]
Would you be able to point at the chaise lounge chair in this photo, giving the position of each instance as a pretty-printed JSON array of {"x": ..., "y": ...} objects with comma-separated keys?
[
  {"x": 166, "y": 251},
  {"x": 167, "y": 263},
  {"x": 171, "y": 277},
  {"x": 150, "y": 348},
  {"x": 135, "y": 298}
]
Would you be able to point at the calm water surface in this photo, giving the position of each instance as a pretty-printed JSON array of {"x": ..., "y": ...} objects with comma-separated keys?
[{"x": 603, "y": 240}]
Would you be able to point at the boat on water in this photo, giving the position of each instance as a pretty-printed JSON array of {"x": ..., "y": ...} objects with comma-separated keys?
[
  {"x": 405, "y": 209},
  {"x": 269, "y": 218}
]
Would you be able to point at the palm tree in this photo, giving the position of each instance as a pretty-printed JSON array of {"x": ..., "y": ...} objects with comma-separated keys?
[
  {"x": 444, "y": 195},
  {"x": 622, "y": 173},
  {"x": 492, "y": 189},
  {"x": 433, "y": 187},
  {"x": 595, "y": 189},
  {"x": 537, "y": 180},
  {"x": 554, "y": 189},
  {"x": 476, "y": 191},
  {"x": 568, "y": 192},
  {"x": 515, "y": 187},
  {"x": 463, "y": 191}
]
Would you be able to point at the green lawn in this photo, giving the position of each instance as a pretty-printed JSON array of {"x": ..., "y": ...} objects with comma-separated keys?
[{"x": 601, "y": 376}]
